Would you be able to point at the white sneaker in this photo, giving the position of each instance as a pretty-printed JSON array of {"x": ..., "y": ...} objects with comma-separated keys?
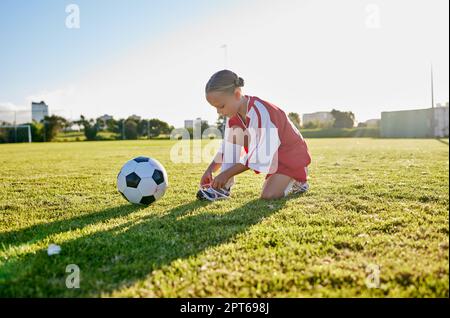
[
  {"x": 298, "y": 187},
  {"x": 211, "y": 194}
]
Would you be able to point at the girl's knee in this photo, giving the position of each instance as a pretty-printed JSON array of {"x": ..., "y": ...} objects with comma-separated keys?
[{"x": 270, "y": 195}]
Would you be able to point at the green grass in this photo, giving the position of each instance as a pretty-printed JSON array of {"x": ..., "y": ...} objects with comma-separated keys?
[
  {"x": 101, "y": 135},
  {"x": 358, "y": 132},
  {"x": 79, "y": 136},
  {"x": 372, "y": 201}
]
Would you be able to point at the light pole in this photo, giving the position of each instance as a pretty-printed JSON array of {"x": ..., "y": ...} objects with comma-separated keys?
[
  {"x": 148, "y": 129},
  {"x": 225, "y": 47},
  {"x": 123, "y": 129},
  {"x": 432, "y": 87},
  {"x": 15, "y": 126},
  {"x": 432, "y": 103}
]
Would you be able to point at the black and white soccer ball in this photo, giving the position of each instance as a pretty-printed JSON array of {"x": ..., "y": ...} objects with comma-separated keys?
[{"x": 142, "y": 180}]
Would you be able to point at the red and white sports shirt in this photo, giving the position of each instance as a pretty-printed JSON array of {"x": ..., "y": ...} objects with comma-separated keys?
[{"x": 274, "y": 144}]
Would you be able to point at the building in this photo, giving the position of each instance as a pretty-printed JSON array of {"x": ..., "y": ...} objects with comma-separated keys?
[
  {"x": 105, "y": 118},
  {"x": 318, "y": 117},
  {"x": 441, "y": 120},
  {"x": 135, "y": 118},
  {"x": 372, "y": 123},
  {"x": 190, "y": 123},
  {"x": 418, "y": 123},
  {"x": 102, "y": 121},
  {"x": 38, "y": 111}
]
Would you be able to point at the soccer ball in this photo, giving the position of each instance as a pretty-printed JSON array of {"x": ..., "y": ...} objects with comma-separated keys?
[{"x": 142, "y": 180}]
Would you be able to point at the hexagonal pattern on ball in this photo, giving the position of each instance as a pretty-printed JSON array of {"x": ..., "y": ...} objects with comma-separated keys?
[
  {"x": 156, "y": 163},
  {"x": 121, "y": 182},
  {"x": 133, "y": 195},
  {"x": 160, "y": 191},
  {"x": 158, "y": 176},
  {"x": 129, "y": 167},
  {"x": 123, "y": 195},
  {"x": 147, "y": 200},
  {"x": 142, "y": 180},
  {"x": 144, "y": 169},
  {"x": 160, "y": 167},
  {"x": 147, "y": 187},
  {"x": 132, "y": 180},
  {"x": 141, "y": 159}
]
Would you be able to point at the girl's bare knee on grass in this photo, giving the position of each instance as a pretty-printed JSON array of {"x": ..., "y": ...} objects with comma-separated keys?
[
  {"x": 274, "y": 187},
  {"x": 269, "y": 195}
]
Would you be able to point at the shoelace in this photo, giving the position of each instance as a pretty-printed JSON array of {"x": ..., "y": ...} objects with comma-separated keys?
[
  {"x": 302, "y": 187},
  {"x": 205, "y": 189}
]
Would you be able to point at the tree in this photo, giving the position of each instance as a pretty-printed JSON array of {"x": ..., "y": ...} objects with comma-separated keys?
[
  {"x": 295, "y": 118},
  {"x": 101, "y": 124},
  {"x": 121, "y": 128},
  {"x": 90, "y": 127},
  {"x": 4, "y": 138},
  {"x": 343, "y": 119},
  {"x": 66, "y": 124},
  {"x": 52, "y": 125},
  {"x": 142, "y": 127},
  {"x": 203, "y": 127},
  {"x": 131, "y": 129},
  {"x": 112, "y": 125},
  {"x": 310, "y": 125},
  {"x": 158, "y": 127},
  {"x": 220, "y": 123},
  {"x": 37, "y": 131}
]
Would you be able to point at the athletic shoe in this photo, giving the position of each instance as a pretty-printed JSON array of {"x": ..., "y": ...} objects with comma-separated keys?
[
  {"x": 211, "y": 194},
  {"x": 299, "y": 187}
]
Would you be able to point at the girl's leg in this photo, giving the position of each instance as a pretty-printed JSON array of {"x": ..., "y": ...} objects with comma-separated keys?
[
  {"x": 232, "y": 151},
  {"x": 228, "y": 156},
  {"x": 275, "y": 186}
]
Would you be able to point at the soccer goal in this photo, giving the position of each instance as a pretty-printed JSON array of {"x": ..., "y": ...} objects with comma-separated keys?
[{"x": 17, "y": 133}]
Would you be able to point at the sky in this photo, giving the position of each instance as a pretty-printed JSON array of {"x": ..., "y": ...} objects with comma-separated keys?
[{"x": 153, "y": 58}]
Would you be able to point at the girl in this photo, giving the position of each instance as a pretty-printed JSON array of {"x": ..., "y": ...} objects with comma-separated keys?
[{"x": 258, "y": 136}]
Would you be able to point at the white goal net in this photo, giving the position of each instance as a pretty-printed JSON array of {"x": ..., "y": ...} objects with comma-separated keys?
[{"x": 17, "y": 133}]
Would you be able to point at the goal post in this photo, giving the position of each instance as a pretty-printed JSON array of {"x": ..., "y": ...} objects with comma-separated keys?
[{"x": 15, "y": 133}]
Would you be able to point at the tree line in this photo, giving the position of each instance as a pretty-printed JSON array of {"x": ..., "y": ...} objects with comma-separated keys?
[
  {"x": 134, "y": 127},
  {"x": 340, "y": 120},
  {"x": 47, "y": 129}
]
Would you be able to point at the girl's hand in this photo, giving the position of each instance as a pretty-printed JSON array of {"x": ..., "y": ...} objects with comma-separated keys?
[
  {"x": 220, "y": 181},
  {"x": 207, "y": 178}
]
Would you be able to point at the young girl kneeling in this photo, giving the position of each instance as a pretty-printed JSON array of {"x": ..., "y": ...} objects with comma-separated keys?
[{"x": 258, "y": 136}]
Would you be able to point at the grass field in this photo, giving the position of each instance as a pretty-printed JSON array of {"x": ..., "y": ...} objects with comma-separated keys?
[
  {"x": 372, "y": 202},
  {"x": 79, "y": 136}
]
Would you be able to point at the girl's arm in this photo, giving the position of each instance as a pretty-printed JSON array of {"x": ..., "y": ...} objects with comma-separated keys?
[
  {"x": 215, "y": 165},
  {"x": 222, "y": 178}
]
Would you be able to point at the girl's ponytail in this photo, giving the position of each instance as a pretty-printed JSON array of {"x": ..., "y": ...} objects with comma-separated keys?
[{"x": 224, "y": 81}]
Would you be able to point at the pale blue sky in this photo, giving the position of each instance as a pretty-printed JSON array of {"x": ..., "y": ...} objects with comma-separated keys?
[
  {"x": 153, "y": 58},
  {"x": 38, "y": 51}
]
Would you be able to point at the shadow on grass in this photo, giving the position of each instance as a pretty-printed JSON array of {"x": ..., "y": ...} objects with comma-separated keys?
[
  {"x": 119, "y": 257},
  {"x": 445, "y": 142},
  {"x": 40, "y": 231}
]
